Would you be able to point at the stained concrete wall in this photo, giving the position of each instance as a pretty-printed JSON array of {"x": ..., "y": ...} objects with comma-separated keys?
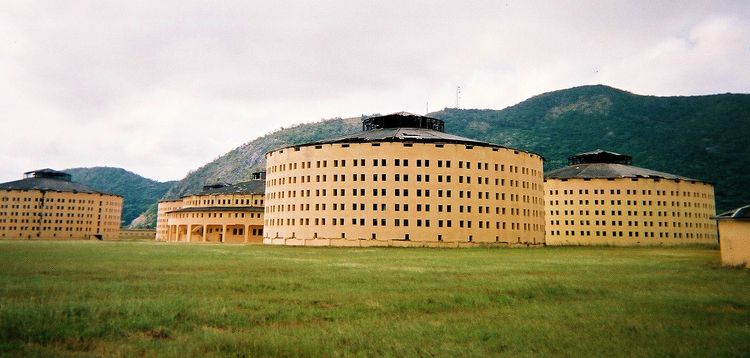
[
  {"x": 34, "y": 214},
  {"x": 392, "y": 191},
  {"x": 734, "y": 237},
  {"x": 629, "y": 212}
]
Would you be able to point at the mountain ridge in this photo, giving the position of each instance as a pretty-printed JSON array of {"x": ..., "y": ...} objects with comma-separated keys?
[
  {"x": 704, "y": 137},
  {"x": 138, "y": 192}
]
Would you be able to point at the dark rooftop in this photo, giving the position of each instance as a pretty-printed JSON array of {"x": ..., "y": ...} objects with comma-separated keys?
[
  {"x": 601, "y": 164},
  {"x": 192, "y": 209},
  {"x": 214, "y": 186},
  {"x": 248, "y": 187},
  {"x": 48, "y": 173},
  {"x": 404, "y": 127},
  {"x": 403, "y": 120},
  {"x": 49, "y": 180},
  {"x": 600, "y": 156},
  {"x": 402, "y": 135},
  {"x": 742, "y": 213},
  {"x": 259, "y": 175}
]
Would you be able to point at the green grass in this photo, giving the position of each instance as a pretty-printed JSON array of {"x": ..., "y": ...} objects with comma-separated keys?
[{"x": 152, "y": 299}]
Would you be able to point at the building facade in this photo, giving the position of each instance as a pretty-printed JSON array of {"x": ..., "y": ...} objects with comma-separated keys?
[
  {"x": 403, "y": 181},
  {"x": 47, "y": 204},
  {"x": 219, "y": 213},
  {"x": 601, "y": 199},
  {"x": 162, "y": 219},
  {"x": 734, "y": 237}
]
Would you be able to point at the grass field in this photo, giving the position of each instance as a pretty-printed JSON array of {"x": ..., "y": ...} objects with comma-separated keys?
[{"x": 146, "y": 298}]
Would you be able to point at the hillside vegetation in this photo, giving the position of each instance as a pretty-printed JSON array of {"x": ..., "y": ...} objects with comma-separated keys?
[
  {"x": 703, "y": 137},
  {"x": 138, "y": 193}
]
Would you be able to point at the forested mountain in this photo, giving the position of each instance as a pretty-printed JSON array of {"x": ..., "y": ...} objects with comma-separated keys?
[
  {"x": 138, "y": 193},
  {"x": 703, "y": 137}
]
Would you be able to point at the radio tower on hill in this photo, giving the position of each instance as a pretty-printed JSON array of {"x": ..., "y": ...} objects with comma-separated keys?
[{"x": 458, "y": 97}]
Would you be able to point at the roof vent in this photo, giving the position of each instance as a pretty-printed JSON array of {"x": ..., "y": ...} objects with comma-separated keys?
[
  {"x": 216, "y": 185},
  {"x": 403, "y": 120},
  {"x": 600, "y": 156},
  {"x": 48, "y": 173}
]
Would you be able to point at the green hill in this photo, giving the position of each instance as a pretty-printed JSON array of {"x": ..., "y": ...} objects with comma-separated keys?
[
  {"x": 138, "y": 193},
  {"x": 704, "y": 137}
]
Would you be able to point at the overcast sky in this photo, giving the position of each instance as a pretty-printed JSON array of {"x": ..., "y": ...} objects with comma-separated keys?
[{"x": 163, "y": 87}]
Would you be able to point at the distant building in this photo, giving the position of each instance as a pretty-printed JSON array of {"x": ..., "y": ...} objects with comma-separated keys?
[
  {"x": 219, "y": 213},
  {"x": 162, "y": 219},
  {"x": 47, "y": 204},
  {"x": 403, "y": 181},
  {"x": 734, "y": 237},
  {"x": 601, "y": 199}
]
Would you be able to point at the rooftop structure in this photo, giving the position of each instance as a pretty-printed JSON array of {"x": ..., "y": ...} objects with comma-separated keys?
[
  {"x": 256, "y": 186},
  {"x": 742, "y": 213},
  {"x": 601, "y": 164},
  {"x": 407, "y": 128},
  {"x": 600, "y": 156},
  {"x": 403, "y": 120}
]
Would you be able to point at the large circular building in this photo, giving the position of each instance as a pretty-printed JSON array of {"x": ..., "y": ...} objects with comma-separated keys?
[
  {"x": 47, "y": 204},
  {"x": 403, "y": 181},
  {"x": 601, "y": 199}
]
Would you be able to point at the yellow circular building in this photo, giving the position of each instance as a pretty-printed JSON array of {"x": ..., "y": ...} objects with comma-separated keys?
[
  {"x": 47, "y": 204},
  {"x": 219, "y": 213},
  {"x": 403, "y": 181},
  {"x": 601, "y": 199}
]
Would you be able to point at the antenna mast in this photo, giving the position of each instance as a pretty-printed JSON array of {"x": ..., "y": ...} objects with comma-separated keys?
[{"x": 458, "y": 97}]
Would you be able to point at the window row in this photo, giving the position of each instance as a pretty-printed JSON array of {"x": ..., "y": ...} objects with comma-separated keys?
[
  {"x": 695, "y": 194},
  {"x": 687, "y": 204},
  {"x": 256, "y": 202},
  {"x": 402, "y": 162},
  {"x": 631, "y": 234},
  {"x": 402, "y": 222},
  {"x": 56, "y": 200},
  {"x": 214, "y": 215},
  {"x": 404, "y": 192},
  {"x": 425, "y": 178},
  {"x": 675, "y": 214}
]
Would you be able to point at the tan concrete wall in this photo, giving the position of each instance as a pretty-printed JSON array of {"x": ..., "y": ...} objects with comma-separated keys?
[
  {"x": 211, "y": 225},
  {"x": 734, "y": 236},
  {"x": 136, "y": 233},
  {"x": 318, "y": 192},
  {"x": 33, "y": 214},
  {"x": 162, "y": 219},
  {"x": 223, "y": 200},
  {"x": 627, "y": 212}
]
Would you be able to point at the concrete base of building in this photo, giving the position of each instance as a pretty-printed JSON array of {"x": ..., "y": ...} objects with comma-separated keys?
[
  {"x": 631, "y": 242},
  {"x": 63, "y": 238},
  {"x": 338, "y": 242}
]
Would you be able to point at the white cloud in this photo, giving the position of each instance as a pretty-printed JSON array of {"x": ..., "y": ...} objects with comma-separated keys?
[
  {"x": 713, "y": 57},
  {"x": 163, "y": 87}
]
